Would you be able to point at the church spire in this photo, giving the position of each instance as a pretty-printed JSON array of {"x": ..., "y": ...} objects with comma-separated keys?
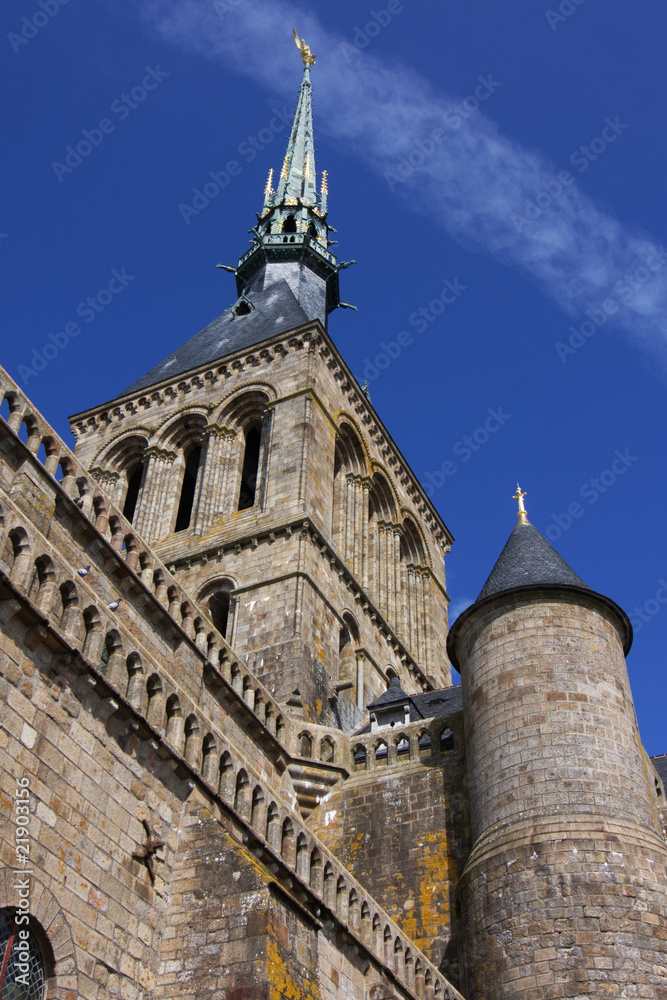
[
  {"x": 293, "y": 225},
  {"x": 297, "y": 179}
]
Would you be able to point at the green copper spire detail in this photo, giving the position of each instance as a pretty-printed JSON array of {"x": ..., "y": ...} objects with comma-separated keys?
[
  {"x": 292, "y": 228},
  {"x": 297, "y": 177},
  {"x": 296, "y": 206}
]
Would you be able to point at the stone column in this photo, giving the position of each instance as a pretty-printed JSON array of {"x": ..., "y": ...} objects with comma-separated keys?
[
  {"x": 349, "y": 519},
  {"x": 210, "y": 481},
  {"x": 366, "y": 485},
  {"x": 151, "y": 502},
  {"x": 107, "y": 480}
]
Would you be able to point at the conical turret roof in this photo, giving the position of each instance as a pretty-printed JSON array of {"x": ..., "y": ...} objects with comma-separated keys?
[{"x": 528, "y": 560}]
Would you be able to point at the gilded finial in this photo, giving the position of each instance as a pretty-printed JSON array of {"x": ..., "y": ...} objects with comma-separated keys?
[
  {"x": 522, "y": 515},
  {"x": 325, "y": 182},
  {"x": 306, "y": 54},
  {"x": 269, "y": 184}
]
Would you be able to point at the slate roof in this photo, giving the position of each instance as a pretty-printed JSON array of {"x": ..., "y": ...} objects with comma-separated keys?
[
  {"x": 528, "y": 559},
  {"x": 660, "y": 764},
  {"x": 275, "y": 311},
  {"x": 437, "y": 704},
  {"x": 430, "y": 705},
  {"x": 393, "y": 694}
]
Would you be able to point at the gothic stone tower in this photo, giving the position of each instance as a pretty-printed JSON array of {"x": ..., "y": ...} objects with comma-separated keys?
[
  {"x": 565, "y": 890},
  {"x": 258, "y": 469}
]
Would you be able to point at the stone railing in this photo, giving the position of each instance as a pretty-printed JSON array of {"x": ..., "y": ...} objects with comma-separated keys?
[{"x": 70, "y": 616}]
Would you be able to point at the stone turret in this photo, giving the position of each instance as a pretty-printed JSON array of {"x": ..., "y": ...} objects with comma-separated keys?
[{"x": 564, "y": 892}]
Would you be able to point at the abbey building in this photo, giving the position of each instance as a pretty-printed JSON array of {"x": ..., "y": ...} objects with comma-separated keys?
[{"x": 227, "y": 699}]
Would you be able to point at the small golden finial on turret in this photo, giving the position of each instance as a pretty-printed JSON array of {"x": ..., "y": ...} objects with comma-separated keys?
[
  {"x": 325, "y": 183},
  {"x": 269, "y": 184},
  {"x": 306, "y": 54},
  {"x": 522, "y": 515}
]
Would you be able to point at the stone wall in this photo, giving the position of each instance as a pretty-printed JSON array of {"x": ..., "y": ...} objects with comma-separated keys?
[
  {"x": 400, "y": 824},
  {"x": 140, "y": 712}
]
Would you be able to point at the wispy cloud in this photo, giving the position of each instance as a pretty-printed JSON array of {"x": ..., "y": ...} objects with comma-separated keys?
[{"x": 475, "y": 180}]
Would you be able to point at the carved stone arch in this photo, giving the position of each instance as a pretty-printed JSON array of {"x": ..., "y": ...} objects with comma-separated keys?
[
  {"x": 227, "y": 777},
  {"x": 383, "y": 544},
  {"x": 155, "y": 696},
  {"x": 413, "y": 540},
  {"x": 44, "y": 589},
  {"x": 70, "y": 621},
  {"x": 174, "y": 720},
  {"x": 242, "y": 794},
  {"x": 193, "y": 740},
  {"x": 273, "y": 827},
  {"x": 305, "y": 744},
  {"x": 217, "y": 600},
  {"x": 50, "y": 926},
  {"x": 179, "y": 430},
  {"x": 209, "y": 757},
  {"x": 224, "y": 413},
  {"x": 287, "y": 844},
  {"x": 329, "y": 885},
  {"x": 135, "y": 680},
  {"x": 343, "y": 418},
  {"x": 350, "y": 496},
  {"x": 125, "y": 456},
  {"x": 257, "y": 808},
  {"x": 245, "y": 416},
  {"x": 349, "y": 640},
  {"x": 383, "y": 480},
  {"x": 178, "y": 450},
  {"x": 93, "y": 638},
  {"x": 16, "y": 554},
  {"x": 413, "y": 622}
]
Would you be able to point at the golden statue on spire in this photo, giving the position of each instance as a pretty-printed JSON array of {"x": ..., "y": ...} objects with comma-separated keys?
[
  {"x": 306, "y": 54},
  {"x": 522, "y": 515}
]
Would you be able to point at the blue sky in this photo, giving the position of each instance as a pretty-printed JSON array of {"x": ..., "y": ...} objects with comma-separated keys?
[{"x": 499, "y": 179}]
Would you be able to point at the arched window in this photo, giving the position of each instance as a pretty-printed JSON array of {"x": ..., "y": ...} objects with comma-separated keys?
[
  {"x": 289, "y": 225},
  {"x": 359, "y": 753},
  {"x": 218, "y": 606},
  {"x": 305, "y": 745},
  {"x": 349, "y": 496},
  {"x": 253, "y": 440},
  {"x": 17, "y": 984},
  {"x": 192, "y": 460},
  {"x": 134, "y": 478}
]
